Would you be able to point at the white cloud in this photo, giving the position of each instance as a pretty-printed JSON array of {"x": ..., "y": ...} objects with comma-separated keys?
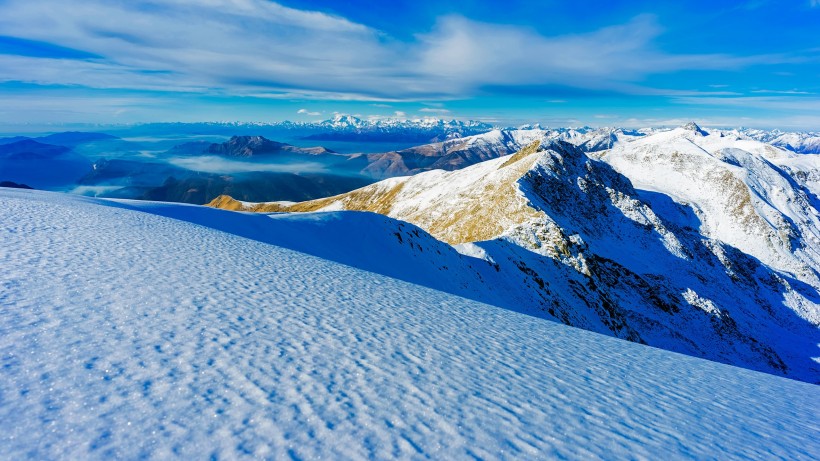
[
  {"x": 463, "y": 52},
  {"x": 68, "y": 107},
  {"x": 307, "y": 112},
  {"x": 235, "y": 46},
  {"x": 431, "y": 110},
  {"x": 399, "y": 114},
  {"x": 263, "y": 49}
]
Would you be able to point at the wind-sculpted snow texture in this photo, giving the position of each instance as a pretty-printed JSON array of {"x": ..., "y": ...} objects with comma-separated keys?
[
  {"x": 708, "y": 245},
  {"x": 126, "y": 334}
]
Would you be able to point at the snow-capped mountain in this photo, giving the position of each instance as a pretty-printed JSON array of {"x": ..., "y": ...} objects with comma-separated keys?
[
  {"x": 801, "y": 142},
  {"x": 423, "y": 130},
  {"x": 144, "y": 330},
  {"x": 700, "y": 243},
  {"x": 350, "y": 122},
  {"x": 338, "y": 128},
  {"x": 351, "y": 128},
  {"x": 457, "y": 153},
  {"x": 739, "y": 191}
]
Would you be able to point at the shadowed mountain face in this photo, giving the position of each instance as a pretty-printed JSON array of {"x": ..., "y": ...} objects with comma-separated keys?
[
  {"x": 14, "y": 185},
  {"x": 251, "y": 146},
  {"x": 691, "y": 242},
  {"x": 245, "y": 146}
]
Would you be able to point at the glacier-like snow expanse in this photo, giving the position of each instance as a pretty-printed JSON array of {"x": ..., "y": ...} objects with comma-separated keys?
[{"x": 129, "y": 334}]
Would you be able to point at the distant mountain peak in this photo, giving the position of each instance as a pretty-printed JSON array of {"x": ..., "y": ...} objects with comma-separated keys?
[
  {"x": 693, "y": 127},
  {"x": 345, "y": 118},
  {"x": 14, "y": 185},
  {"x": 245, "y": 146},
  {"x": 250, "y": 146},
  {"x": 31, "y": 145}
]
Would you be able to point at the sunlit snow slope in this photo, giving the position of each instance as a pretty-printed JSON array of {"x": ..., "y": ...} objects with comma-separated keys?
[{"x": 126, "y": 334}]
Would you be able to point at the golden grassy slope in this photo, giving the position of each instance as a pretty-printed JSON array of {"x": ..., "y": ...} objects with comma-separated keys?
[{"x": 473, "y": 204}]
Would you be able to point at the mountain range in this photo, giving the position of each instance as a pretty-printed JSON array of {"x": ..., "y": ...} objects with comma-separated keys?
[
  {"x": 341, "y": 127},
  {"x": 419, "y": 131},
  {"x": 701, "y": 242},
  {"x": 252, "y": 167}
]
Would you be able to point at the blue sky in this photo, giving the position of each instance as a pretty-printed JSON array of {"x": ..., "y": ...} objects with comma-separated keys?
[{"x": 639, "y": 63}]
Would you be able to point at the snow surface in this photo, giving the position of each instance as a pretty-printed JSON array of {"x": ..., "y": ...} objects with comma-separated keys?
[{"x": 127, "y": 334}]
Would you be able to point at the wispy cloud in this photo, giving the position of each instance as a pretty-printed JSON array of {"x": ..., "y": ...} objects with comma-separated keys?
[
  {"x": 68, "y": 107},
  {"x": 213, "y": 164},
  {"x": 432, "y": 110},
  {"x": 263, "y": 49},
  {"x": 466, "y": 53},
  {"x": 223, "y": 45},
  {"x": 307, "y": 112},
  {"x": 795, "y": 92}
]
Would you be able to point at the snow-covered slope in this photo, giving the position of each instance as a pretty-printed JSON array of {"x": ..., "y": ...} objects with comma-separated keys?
[
  {"x": 128, "y": 334},
  {"x": 724, "y": 268}
]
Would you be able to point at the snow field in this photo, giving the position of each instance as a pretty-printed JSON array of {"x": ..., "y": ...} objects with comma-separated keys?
[{"x": 132, "y": 335}]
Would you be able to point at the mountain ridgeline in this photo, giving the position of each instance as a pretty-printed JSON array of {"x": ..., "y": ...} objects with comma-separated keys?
[
  {"x": 249, "y": 162},
  {"x": 701, "y": 242}
]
